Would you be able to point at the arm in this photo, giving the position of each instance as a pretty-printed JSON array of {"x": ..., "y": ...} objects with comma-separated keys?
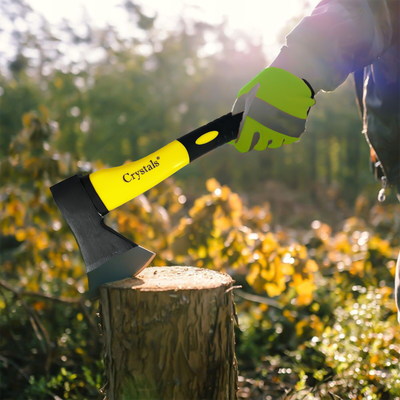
[{"x": 339, "y": 37}]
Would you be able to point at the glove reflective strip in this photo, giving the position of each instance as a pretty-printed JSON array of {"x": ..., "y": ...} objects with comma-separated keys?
[{"x": 272, "y": 117}]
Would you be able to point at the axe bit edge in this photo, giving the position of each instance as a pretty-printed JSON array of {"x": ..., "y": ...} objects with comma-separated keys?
[{"x": 108, "y": 255}]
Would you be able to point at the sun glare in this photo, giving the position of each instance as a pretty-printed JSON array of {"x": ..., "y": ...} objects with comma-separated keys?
[{"x": 263, "y": 20}]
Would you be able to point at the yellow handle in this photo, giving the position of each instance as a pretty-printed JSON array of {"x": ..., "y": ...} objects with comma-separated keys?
[{"x": 116, "y": 186}]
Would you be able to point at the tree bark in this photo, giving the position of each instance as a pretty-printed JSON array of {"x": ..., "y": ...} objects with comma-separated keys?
[{"x": 169, "y": 334}]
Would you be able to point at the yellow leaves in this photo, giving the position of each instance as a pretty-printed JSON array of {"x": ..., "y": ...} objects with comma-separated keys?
[
  {"x": 287, "y": 269},
  {"x": 288, "y": 315},
  {"x": 198, "y": 205},
  {"x": 212, "y": 184},
  {"x": 357, "y": 268},
  {"x": 226, "y": 193},
  {"x": 311, "y": 266},
  {"x": 39, "y": 240},
  {"x": 42, "y": 241},
  {"x": 391, "y": 265},
  {"x": 216, "y": 222},
  {"x": 383, "y": 246},
  {"x": 39, "y": 305},
  {"x": 269, "y": 243},
  {"x": 254, "y": 279},
  {"x": 20, "y": 235},
  {"x": 150, "y": 232},
  {"x": 235, "y": 202},
  {"x": 157, "y": 262},
  {"x": 16, "y": 211},
  {"x": 386, "y": 292},
  {"x": 202, "y": 252},
  {"x": 341, "y": 243},
  {"x": 313, "y": 322},
  {"x": 374, "y": 359},
  {"x": 323, "y": 231},
  {"x": 254, "y": 273},
  {"x": 32, "y": 285},
  {"x": 27, "y": 119},
  {"x": 300, "y": 327},
  {"x": 275, "y": 264},
  {"x": 257, "y": 313},
  {"x": 353, "y": 223},
  {"x": 315, "y": 307},
  {"x": 316, "y": 323},
  {"x": 121, "y": 218},
  {"x": 261, "y": 213},
  {"x": 267, "y": 274},
  {"x": 79, "y": 317},
  {"x": 302, "y": 252},
  {"x": 304, "y": 287},
  {"x": 272, "y": 289},
  {"x": 263, "y": 307},
  {"x": 221, "y": 222}
]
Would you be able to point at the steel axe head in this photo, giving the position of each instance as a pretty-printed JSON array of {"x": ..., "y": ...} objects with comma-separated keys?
[{"x": 108, "y": 255}]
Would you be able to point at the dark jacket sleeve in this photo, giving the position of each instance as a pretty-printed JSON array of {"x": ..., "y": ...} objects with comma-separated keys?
[{"x": 339, "y": 37}]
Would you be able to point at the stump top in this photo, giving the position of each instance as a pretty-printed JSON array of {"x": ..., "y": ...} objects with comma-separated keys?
[{"x": 173, "y": 278}]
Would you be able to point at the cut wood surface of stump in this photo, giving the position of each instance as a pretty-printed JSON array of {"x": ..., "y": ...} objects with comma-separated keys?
[{"x": 169, "y": 334}]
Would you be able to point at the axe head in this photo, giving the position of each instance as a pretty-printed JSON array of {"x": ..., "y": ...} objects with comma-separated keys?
[{"x": 108, "y": 255}]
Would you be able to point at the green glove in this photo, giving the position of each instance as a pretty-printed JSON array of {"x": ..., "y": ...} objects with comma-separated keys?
[{"x": 275, "y": 105}]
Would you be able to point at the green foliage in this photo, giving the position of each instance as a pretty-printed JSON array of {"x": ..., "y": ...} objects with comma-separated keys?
[
  {"x": 331, "y": 327},
  {"x": 125, "y": 97},
  {"x": 69, "y": 385},
  {"x": 343, "y": 341},
  {"x": 316, "y": 311},
  {"x": 49, "y": 342}
]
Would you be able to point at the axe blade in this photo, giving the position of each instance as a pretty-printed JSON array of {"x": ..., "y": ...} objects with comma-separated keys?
[{"x": 108, "y": 255}]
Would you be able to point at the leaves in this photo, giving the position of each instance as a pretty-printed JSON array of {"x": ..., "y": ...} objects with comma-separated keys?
[
  {"x": 316, "y": 277},
  {"x": 125, "y": 105},
  {"x": 304, "y": 288}
]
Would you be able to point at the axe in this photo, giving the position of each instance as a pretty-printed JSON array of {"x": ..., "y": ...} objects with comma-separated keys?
[{"x": 85, "y": 200}]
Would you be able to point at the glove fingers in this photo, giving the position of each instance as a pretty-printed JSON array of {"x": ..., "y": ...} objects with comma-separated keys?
[
  {"x": 274, "y": 143},
  {"x": 258, "y": 137},
  {"x": 270, "y": 139},
  {"x": 262, "y": 143},
  {"x": 248, "y": 137},
  {"x": 267, "y": 137},
  {"x": 273, "y": 140}
]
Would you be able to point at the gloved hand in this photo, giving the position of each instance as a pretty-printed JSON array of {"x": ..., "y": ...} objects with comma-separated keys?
[{"x": 275, "y": 106}]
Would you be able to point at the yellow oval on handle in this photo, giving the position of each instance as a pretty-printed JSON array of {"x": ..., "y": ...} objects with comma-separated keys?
[{"x": 207, "y": 137}]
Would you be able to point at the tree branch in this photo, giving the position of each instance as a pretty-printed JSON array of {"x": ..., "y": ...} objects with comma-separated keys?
[{"x": 257, "y": 299}]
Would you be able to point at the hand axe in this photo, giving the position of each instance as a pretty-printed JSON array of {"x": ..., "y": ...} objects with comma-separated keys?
[{"x": 85, "y": 200}]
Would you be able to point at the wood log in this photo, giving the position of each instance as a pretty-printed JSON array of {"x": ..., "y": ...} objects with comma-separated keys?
[{"x": 169, "y": 334}]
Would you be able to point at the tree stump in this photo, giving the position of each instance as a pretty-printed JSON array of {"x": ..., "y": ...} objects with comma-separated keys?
[{"x": 169, "y": 334}]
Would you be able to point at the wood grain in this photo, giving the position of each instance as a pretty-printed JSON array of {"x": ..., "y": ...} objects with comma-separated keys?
[{"x": 169, "y": 334}]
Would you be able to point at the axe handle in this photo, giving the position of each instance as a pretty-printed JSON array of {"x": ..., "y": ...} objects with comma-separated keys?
[
  {"x": 113, "y": 187},
  {"x": 208, "y": 137}
]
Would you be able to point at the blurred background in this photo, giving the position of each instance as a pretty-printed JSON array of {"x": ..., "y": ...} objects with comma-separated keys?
[{"x": 86, "y": 85}]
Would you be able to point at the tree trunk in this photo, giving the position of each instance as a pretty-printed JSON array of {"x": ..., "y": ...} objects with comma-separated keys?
[{"x": 169, "y": 334}]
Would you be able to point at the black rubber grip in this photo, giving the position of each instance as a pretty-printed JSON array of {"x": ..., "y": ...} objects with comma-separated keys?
[
  {"x": 227, "y": 127},
  {"x": 98, "y": 203}
]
